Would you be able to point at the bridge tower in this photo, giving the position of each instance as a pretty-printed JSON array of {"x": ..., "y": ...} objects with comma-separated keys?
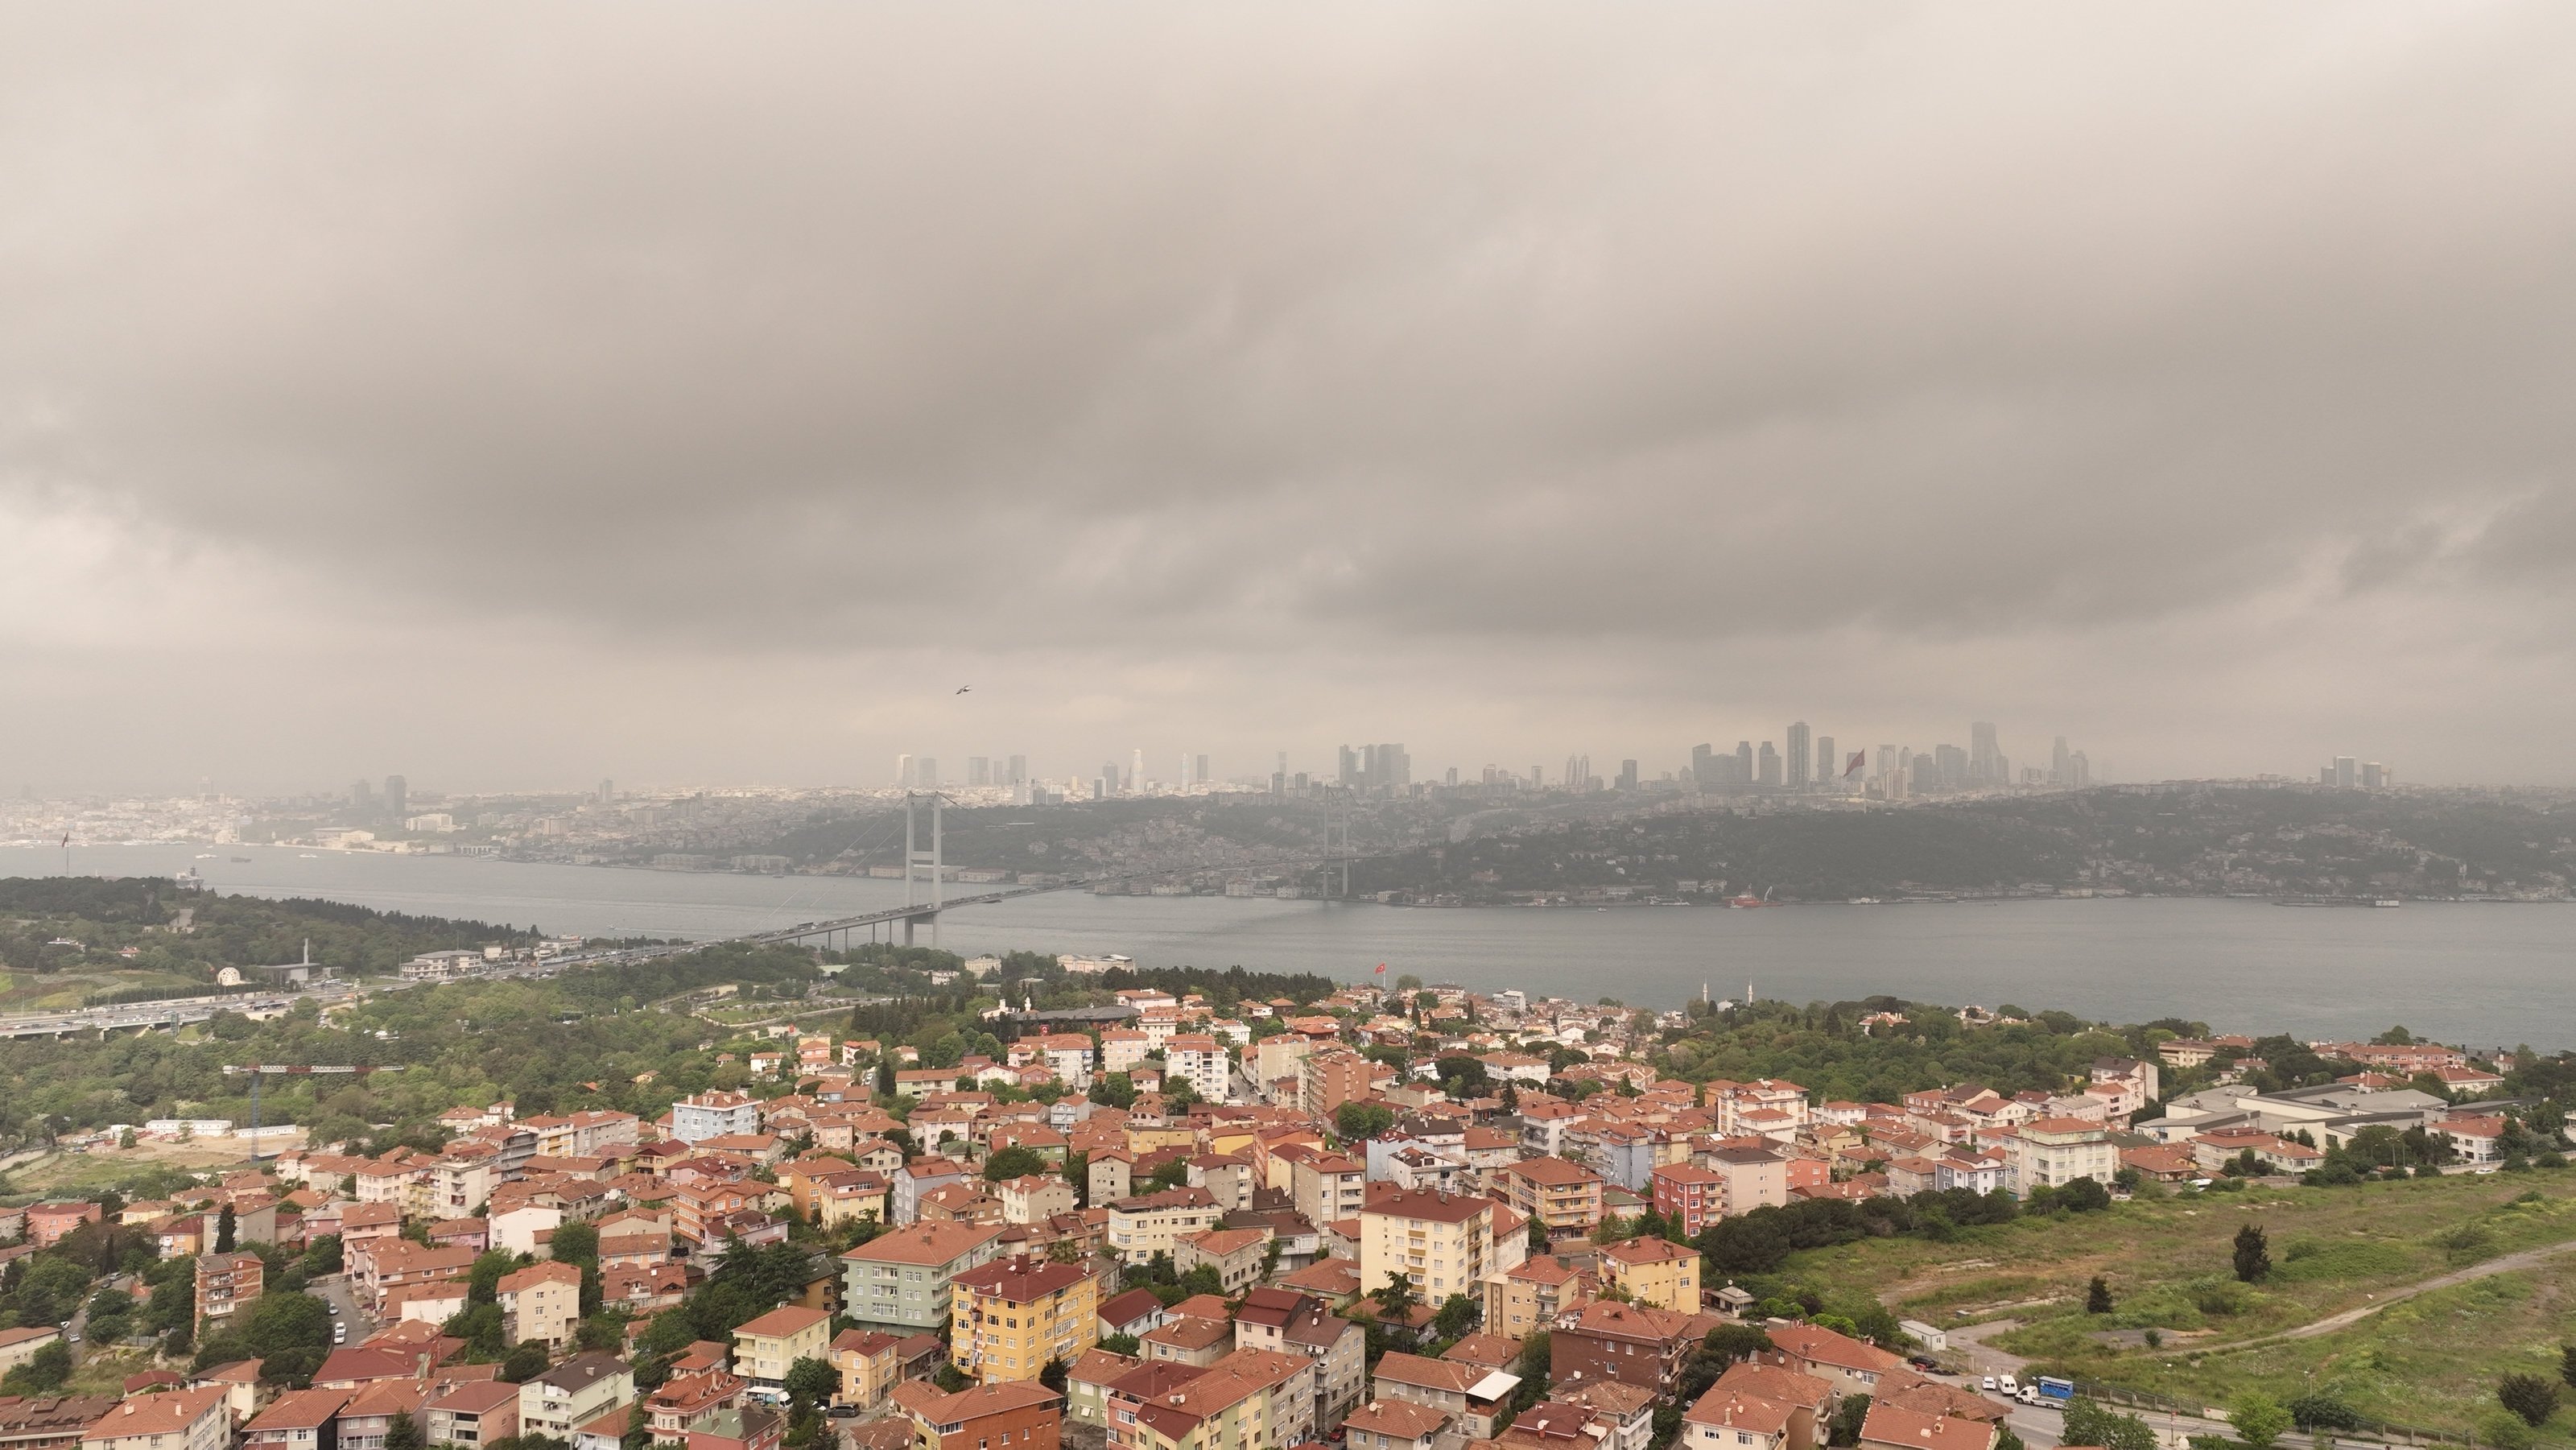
[
  {"x": 917, "y": 863},
  {"x": 1337, "y": 841}
]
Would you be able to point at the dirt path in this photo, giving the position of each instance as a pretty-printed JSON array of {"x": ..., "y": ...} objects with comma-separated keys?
[{"x": 2510, "y": 1263}]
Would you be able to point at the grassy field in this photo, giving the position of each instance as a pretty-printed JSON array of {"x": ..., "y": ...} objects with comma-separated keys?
[
  {"x": 30, "y": 992},
  {"x": 2431, "y": 1361},
  {"x": 110, "y": 1167}
]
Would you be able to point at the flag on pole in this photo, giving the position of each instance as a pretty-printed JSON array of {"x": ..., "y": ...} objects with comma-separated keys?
[
  {"x": 1381, "y": 967},
  {"x": 67, "y": 845},
  {"x": 1859, "y": 758}
]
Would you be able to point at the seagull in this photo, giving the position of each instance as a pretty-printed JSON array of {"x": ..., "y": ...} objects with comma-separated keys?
[{"x": 962, "y": 689}]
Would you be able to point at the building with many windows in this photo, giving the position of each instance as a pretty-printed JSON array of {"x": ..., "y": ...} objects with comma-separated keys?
[
  {"x": 900, "y": 1281},
  {"x": 1007, "y": 1318},
  {"x": 1441, "y": 1242}
]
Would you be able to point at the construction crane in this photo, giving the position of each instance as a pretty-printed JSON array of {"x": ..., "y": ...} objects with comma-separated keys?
[{"x": 259, "y": 1071}]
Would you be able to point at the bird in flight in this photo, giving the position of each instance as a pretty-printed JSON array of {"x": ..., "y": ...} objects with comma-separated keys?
[{"x": 962, "y": 689}]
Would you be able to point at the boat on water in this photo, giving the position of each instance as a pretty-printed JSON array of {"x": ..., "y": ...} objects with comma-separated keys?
[
  {"x": 1748, "y": 900},
  {"x": 306, "y": 856},
  {"x": 244, "y": 860},
  {"x": 205, "y": 855},
  {"x": 2382, "y": 902}
]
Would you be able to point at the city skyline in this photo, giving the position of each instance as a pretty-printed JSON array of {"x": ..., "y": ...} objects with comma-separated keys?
[{"x": 520, "y": 411}]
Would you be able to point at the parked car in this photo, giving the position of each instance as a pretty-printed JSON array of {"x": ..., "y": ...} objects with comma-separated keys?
[
  {"x": 1926, "y": 1363},
  {"x": 1987, "y": 1383},
  {"x": 843, "y": 1412}
]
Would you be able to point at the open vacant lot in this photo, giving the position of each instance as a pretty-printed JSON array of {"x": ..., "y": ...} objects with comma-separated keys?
[{"x": 2431, "y": 1361}]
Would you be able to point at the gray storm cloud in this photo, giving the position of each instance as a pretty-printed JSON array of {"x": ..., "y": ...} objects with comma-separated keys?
[{"x": 1522, "y": 379}]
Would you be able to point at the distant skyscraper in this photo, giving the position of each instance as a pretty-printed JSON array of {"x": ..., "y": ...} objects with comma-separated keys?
[
  {"x": 1453, "y": 775},
  {"x": 1109, "y": 773},
  {"x": 1627, "y": 775},
  {"x": 1768, "y": 765},
  {"x": 1949, "y": 767},
  {"x": 1136, "y": 771},
  {"x": 2347, "y": 774},
  {"x": 927, "y": 768},
  {"x": 979, "y": 770},
  {"x": 2079, "y": 771},
  {"x": 2060, "y": 769},
  {"x": 1350, "y": 767},
  {"x": 1985, "y": 760},
  {"x": 607, "y": 792},
  {"x": 1800, "y": 768},
  {"x": 903, "y": 771},
  {"x": 1201, "y": 775},
  {"x": 397, "y": 797},
  {"x": 1701, "y": 770},
  {"x": 1829, "y": 766},
  {"x": 1744, "y": 762},
  {"x": 1019, "y": 770}
]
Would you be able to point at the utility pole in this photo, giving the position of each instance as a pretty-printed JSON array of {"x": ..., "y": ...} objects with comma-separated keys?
[{"x": 260, "y": 1071}]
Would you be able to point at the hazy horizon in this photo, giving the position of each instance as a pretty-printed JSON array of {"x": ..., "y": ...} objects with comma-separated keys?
[{"x": 513, "y": 398}]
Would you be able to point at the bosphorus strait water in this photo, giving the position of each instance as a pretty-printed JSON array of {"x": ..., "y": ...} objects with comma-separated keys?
[{"x": 2481, "y": 973}]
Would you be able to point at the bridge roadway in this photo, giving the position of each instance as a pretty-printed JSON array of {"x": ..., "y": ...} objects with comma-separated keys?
[{"x": 180, "y": 1012}]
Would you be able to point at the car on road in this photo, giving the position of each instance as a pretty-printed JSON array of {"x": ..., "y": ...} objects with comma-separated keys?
[
  {"x": 2008, "y": 1385},
  {"x": 843, "y": 1412},
  {"x": 1987, "y": 1383},
  {"x": 1926, "y": 1363},
  {"x": 334, "y": 1308}
]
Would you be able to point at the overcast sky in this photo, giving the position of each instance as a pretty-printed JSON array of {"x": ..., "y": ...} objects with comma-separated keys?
[{"x": 511, "y": 396}]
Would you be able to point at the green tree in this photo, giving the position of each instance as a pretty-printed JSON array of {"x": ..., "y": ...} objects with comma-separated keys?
[
  {"x": 403, "y": 1432},
  {"x": 2257, "y": 1418},
  {"x": 2253, "y": 1254},
  {"x": 1396, "y": 1298},
  {"x": 1013, "y": 1162},
  {"x": 1358, "y": 1120},
  {"x": 575, "y": 1243},
  {"x": 2088, "y": 1423},
  {"x": 226, "y": 1229},
  {"x": 2567, "y": 1363},
  {"x": 525, "y": 1361},
  {"x": 1458, "y": 1315},
  {"x": 2529, "y": 1395},
  {"x": 810, "y": 1382},
  {"x": 1055, "y": 1375},
  {"x": 1849, "y": 1416},
  {"x": 1122, "y": 1344},
  {"x": 2097, "y": 1296},
  {"x": 44, "y": 1372}
]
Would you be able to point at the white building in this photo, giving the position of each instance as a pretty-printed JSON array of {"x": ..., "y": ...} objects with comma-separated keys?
[
  {"x": 2051, "y": 1152},
  {"x": 713, "y": 1115},
  {"x": 1201, "y": 1062}
]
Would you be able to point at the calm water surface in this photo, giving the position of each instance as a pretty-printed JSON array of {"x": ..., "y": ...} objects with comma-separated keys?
[{"x": 2476, "y": 973}]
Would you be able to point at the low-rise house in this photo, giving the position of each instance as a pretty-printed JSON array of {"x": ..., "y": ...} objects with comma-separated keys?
[
  {"x": 1653, "y": 1271},
  {"x": 1018, "y": 1414},
  {"x": 1400, "y": 1425},
  {"x": 1889, "y": 1427},
  {"x": 299, "y": 1420},
  {"x": 1809, "y": 1398},
  {"x": 1237, "y": 1255},
  {"x": 49, "y": 1422},
  {"x": 473, "y": 1413},
  {"x": 765, "y": 1348},
  {"x": 1851, "y": 1366},
  {"x": 1631, "y": 1343},
  {"x": 1285, "y": 1322},
  {"x": 178, "y": 1420},
  {"x": 869, "y": 1365},
  {"x": 686, "y": 1401},
  {"x": 574, "y": 1393},
  {"x": 1471, "y": 1397},
  {"x": 1087, "y": 1382},
  {"x": 1729, "y": 1419}
]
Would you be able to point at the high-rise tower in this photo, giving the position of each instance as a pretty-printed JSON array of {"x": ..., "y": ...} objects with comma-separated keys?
[{"x": 1800, "y": 766}]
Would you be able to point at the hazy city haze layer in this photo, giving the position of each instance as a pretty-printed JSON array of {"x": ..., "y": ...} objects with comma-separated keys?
[{"x": 516, "y": 397}]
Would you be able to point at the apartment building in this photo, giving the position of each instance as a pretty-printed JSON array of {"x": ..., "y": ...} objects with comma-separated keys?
[
  {"x": 1008, "y": 1318},
  {"x": 1155, "y": 1223},
  {"x": 473, "y": 1413},
  {"x": 1286, "y": 1322},
  {"x": 687, "y": 1401},
  {"x": 900, "y": 1282},
  {"x": 1654, "y": 1271},
  {"x": 226, "y": 1283},
  {"x": 1329, "y": 1077},
  {"x": 764, "y": 1348},
  {"x": 297, "y": 1420},
  {"x": 1327, "y": 1187},
  {"x": 714, "y": 1114},
  {"x": 868, "y": 1364},
  {"x": 1472, "y": 1396},
  {"x": 540, "y": 1302},
  {"x": 1565, "y": 1197},
  {"x": 573, "y": 1394},
  {"x": 2051, "y": 1152},
  {"x": 1442, "y": 1243},
  {"x": 1203, "y": 1063}
]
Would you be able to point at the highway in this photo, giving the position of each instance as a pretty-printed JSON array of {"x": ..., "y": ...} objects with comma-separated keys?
[{"x": 178, "y": 1012}]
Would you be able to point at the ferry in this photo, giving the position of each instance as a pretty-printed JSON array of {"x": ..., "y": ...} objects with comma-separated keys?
[{"x": 1748, "y": 900}]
